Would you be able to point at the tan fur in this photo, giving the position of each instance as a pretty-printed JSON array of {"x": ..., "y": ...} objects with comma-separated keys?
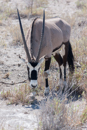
[{"x": 56, "y": 32}]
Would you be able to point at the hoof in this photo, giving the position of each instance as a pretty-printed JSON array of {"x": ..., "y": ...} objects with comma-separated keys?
[
  {"x": 65, "y": 83},
  {"x": 46, "y": 92},
  {"x": 65, "y": 86},
  {"x": 63, "y": 90}
]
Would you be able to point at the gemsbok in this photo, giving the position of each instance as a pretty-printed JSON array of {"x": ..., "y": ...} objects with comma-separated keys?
[{"x": 43, "y": 40}]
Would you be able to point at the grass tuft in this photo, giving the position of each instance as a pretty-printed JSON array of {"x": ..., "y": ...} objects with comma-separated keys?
[
  {"x": 81, "y": 4},
  {"x": 16, "y": 34},
  {"x": 17, "y": 96},
  {"x": 84, "y": 116}
]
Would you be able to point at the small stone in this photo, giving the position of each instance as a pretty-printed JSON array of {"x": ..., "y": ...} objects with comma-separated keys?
[
  {"x": 25, "y": 112},
  {"x": 78, "y": 65},
  {"x": 8, "y": 56},
  {"x": 12, "y": 82},
  {"x": 19, "y": 65},
  {"x": 79, "y": 24},
  {"x": 19, "y": 56},
  {"x": 1, "y": 62},
  {"x": 6, "y": 76}
]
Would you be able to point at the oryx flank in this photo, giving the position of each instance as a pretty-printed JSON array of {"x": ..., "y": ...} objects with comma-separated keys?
[{"x": 43, "y": 39}]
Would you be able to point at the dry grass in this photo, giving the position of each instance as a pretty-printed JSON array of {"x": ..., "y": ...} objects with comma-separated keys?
[
  {"x": 81, "y": 4},
  {"x": 40, "y": 3},
  {"x": 1, "y": 22},
  {"x": 5, "y": 11},
  {"x": 16, "y": 34},
  {"x": 53, "y": 115},
  {"x": 70, "y": 19},
  {"x": 57, "y": 115},
  {"x": 17, "y": 96},
  {"x": 9, "y": 12},
  {"x": 84, "y": 115},
  {"x": 36, "y": 8},
  {"x": 80, "y": 51},
  {"x": 6, "y": 75}
]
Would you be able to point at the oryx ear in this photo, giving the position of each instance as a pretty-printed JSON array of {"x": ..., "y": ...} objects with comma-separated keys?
[
  {"x": 30, "y": 66},
  {"x": 23, "y": 59},
  {"x": 40, "y": 62}
]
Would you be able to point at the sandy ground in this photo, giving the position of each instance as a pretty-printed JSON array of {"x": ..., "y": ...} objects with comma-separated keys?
[
  {"x": 62, "y": 7},
  {"x": 18, "y": 117},
  {"x": 15, "y": 117}
]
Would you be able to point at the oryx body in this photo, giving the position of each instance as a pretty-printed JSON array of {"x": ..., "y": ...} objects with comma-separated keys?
[
  {"x": 56, "y": 32},
  {"x": 44, "y": 37}
]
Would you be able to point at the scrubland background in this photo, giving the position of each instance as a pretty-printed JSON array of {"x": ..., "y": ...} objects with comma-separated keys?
[{"x": 59, "y": 111}]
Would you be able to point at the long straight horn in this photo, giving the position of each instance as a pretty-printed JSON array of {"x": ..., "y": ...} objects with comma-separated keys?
[
  {"x": 42, "y": 34},
  {"x": 25, "y": 45}
]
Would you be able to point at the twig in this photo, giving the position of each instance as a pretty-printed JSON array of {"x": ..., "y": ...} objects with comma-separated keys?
[
  {"x": 73, "y": 91},
  {"x": 13, "y": 82}
]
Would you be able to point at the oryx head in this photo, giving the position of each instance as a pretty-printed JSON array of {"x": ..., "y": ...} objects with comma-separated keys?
[{"x": 32, "y": 66}]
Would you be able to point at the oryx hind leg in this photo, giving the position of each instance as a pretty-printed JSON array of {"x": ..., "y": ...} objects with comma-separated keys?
[
  {"x": 68, "y": 57},
  {"x": 59, "y": 59},
  {"x": 65, "y": 59},
  {"x": 46, "y": 73}
]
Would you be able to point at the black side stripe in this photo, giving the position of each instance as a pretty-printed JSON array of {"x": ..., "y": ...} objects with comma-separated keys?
[{"x": 57, "y": 48}]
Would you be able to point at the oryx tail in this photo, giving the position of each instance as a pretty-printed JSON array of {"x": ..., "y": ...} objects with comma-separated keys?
[{"x": 70, "y": 58}]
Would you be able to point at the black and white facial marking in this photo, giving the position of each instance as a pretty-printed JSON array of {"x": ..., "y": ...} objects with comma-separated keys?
[{"x": 33, "y": 70}]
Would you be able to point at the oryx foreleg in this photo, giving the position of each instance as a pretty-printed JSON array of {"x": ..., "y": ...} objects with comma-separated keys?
[{"x": 46, "y": 73}]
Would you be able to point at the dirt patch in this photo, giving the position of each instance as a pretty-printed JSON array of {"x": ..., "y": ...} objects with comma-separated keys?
[{"x": 17, "y": 117}]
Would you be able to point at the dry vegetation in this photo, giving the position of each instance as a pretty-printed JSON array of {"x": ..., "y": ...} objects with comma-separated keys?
[
  {"x": 16, "y": 96},
  {"x": 16, "y": 34},
  {"x": 55, "y": 115},
  {"x": 81, "y": 4},
  {"x": 80, "y": 52},
  {"x": 84, "y": 115},
  {"x": 36, "y": 6}
]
